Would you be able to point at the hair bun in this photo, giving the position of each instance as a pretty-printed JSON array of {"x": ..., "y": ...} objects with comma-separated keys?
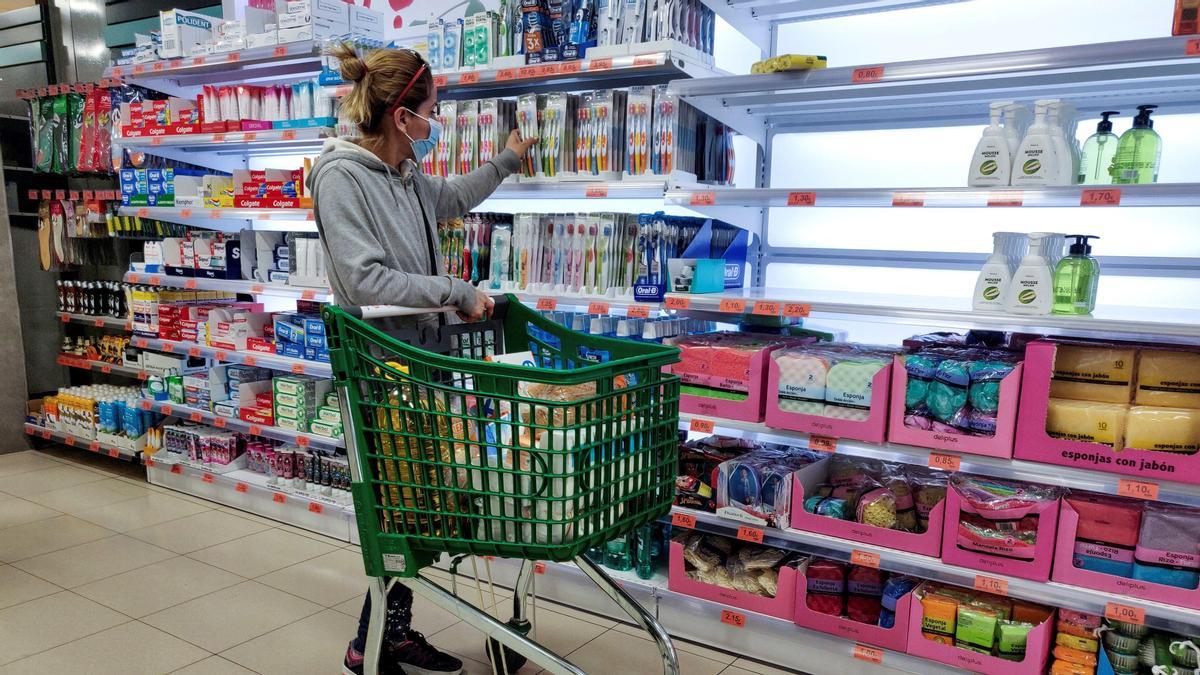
[{"x": 353, "y": 69}]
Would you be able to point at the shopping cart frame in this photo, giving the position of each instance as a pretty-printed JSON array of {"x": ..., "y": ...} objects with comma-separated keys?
[{"x": 510, "y": 635}]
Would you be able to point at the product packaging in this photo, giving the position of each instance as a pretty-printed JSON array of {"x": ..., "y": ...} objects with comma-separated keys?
[
  {"x": 757, "y": 486},
  {"x": 838, "y": 390},
  {"x": 720, "y": 570},
  {"x": 1000, "y": 526},
  {"x": 724, "y": 374}
]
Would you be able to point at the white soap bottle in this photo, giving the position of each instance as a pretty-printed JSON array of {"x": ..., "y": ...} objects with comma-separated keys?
[
  {"x": 1016, "y": 120},
  {"x": 1031, "y": 290},
  {"x": 1036, "y": 162},
  {"x": 995, "y": 276},
  {"x": 1061, "y": 120},
  {"x": 992, "y": 161}
]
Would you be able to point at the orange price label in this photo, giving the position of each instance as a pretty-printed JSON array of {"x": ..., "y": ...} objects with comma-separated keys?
[
  {"x": 241, "y": 487},
  {"x": 600, "y": 64},
  {"x": 441, "y": 80},
  {"x": 186, "y": 213},
  {"x": 547, "y": 304},
  {"x": 195, "y": 417},
  {"x": 569, "y": 67},
  {"x": 143, "y": 375},
  {"x": 146, "y": 405},
  {"x": 255, "y": 430},
  {"x": 766, "y": 307},
  {"x": 677, "y": 302},
  {"x": 822, "y": 443},
  {"x": 539, "y": 568},
  {"x": 1006, "y": 199},
  {"x": 303, "y": 441},
  {"x": 257, "y": 288},
  {"x": 218, "y": 138},
  {"x": 135, "y": 278},
  {"x": 1118, "y": 612},
  {"x": 141, "y": 343},
  {"x": 281, "y": 50},
  {"x": 596, "y": 192},
  {"x": 45, "y": 434},
  {"x": 1137, "y": 489},
  {"x": 143, "y": 212},
  {"x": 468, "y": 78},
  {"x": 750, "y": 534},
  {"x": 1192, "y": 48},
  {"x": 991, "y": 585},
  {"x": 177, "y": 469},
  {"x": 864, "y": 558},
  {"x": 316, "y": 507},
  {"x": 645, "y": 60},
  {"x": 222, "y": 356},
  {"x": 248, "y": 137},
  {"x": 106, "y": 369},
  {"x": 65, "y": 318},
  {"x": 638, "y": 312},
  {"x": 288, "y": 134},
  {"x": 279, "y": 498},
  {"x": 155, "y": 281},
  {"x": 732, "y": 618},
  {"x": 796, "y": 310},
  {"x": 701, "y": 426},
  {"x": 207, "y": 477},
  {"x": 703, "y": 199},
  {"x": 194, "y": 351},
  {"x": 70, "y": 440},
  {"x": 214, "y": 214},
  {"x": 166, "y": 409},
  {"x": 73, "y": 194},
  {"x": 1100, "y": 197},
  {"x": 219, "y": 422},
  {"x": 506, "y": 74},
  {"x": 94, "y": 446},
  {"x": 683, "y": 520},
  {"x": 198, "y": 60},
  {"x": 908, "y": 199},
  {"x": 938, "y": 460},
  {"x": 297, "y": 368},
  {"x": 118, "y": 72},
  {"x": 866, "y": 75},
  {"x": 802, "y": 199},
  {"x": 158, "y": 66},
  {"x": 526, "y": 72},
  {"x": 233, "y": 57},
  {"x": 247, "y": 360},
  {"x": 598, "y": 308},
  {"x": 139, "y": 69},
  {"x": 733, "y": 306},
  {"x": 868, "y": 654},
  {"x": 114, "y": 453},
  {"x": 98, "y": 323},
  {"x": 308, "y": 295},
  {"x": 168, "y": 347},
  {"x": 157, "y": 140}
]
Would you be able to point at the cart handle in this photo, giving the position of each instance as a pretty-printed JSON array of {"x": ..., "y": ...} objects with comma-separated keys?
[{"x": 383, "y": 311}]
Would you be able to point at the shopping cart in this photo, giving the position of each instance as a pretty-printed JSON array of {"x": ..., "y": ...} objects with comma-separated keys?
[{"x": 512, "y": 437}]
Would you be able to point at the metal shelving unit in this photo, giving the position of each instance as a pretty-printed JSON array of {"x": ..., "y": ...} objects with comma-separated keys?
[
  {"x": 291, "y": 59},
  {"x": 110, "y": 322},
  {"x": 233, "y": 424},
  {"x": 231, "y": 285},
  {"x": 99, "y": 366},
  {"x": 216, "y": 218},
  {"x": 272, "y": 361},
  {"x": 89, "y": 444},
  {"x": 310, "y": 138}
]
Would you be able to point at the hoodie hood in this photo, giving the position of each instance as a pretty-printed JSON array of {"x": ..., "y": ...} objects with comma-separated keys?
[{"x": 340, "y": 149}]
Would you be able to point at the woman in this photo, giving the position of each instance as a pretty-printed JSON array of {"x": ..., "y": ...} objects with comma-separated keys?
[{"x": 378, "y": 215}]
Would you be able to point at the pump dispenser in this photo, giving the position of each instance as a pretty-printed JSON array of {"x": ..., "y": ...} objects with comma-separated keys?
[
  {"x": 1036, "y": 162},
  {"x": 1031, "y": 288},
  {"x": 1098, "y": 153},
  {"x": 997, "y": 271},
  {"x": 992, "y": 161},
  {"x": 1139, "y": 151},
  {"x": 1076, "y": 277}
]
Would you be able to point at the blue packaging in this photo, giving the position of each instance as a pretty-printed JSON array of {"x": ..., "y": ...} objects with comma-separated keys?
[
  {"x": 287, "y": 331},
  {"x": 289, "y": 349},
  {"x": 1166, "y": 552}
]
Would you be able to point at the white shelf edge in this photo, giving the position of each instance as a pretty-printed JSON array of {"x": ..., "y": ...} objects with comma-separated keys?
[
  {"x": 282, "y": 138},
  {"x": 232, "y": 424},
  {"x": 231, "y": 285},
  {"x": 78, "y": 362},
  {"x": 201, "y": 216},
  {"x": 71, "y": 440},
  {"x": 272, "y": 361},
  {"x": 96, "y": 321}
]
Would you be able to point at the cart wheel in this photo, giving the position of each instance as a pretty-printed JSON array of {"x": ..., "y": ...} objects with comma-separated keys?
[{"x": 512, "y": 660}]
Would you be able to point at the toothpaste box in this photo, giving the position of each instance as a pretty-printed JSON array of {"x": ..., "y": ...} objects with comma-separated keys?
[
  {"x": 291, "y": 424},
  {"x": 328, "y": 414},
  {"x": 182, "y": 31},
  {"x": 325, "y": 429},
  {"x": 289, "y": 349},
  {"x": 366, "y": 22},
  {"x": 287, "y": 331}
]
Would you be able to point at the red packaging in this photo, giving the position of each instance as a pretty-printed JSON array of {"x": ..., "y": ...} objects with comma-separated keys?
[
  {"x": 826, "y": 587},
  {"x": 1187, "y": 17}
]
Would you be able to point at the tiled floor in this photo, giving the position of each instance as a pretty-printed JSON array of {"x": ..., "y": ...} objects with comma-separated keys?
[{"x": 101, "y": 572}]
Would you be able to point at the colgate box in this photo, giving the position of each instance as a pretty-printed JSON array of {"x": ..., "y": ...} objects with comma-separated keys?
[
  {"x": 806, "y": 481},
  {"x": 894, "y": 638},
  {"x": 1034, "y": 443},
  {"x": 781, "y": 606},
  {"x": 1037, "y": 647},
  {"x": 979, "y": 531},
  {"x": 1065, "y": 570},
  {"x": 808, "y": 390},
  {"x": 998, "y": 445},
  {"x": 725, "y": 374}
]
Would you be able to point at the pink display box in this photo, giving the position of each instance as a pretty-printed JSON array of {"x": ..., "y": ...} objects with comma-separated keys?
[
  {"x": 749, "y": 410},
  {"x": 1034, "y": 443},
  {"x": 1066, "y": 572},
  {"x": 781, "y": 606},
  {"x": 1037, "y": 568},
  {"x": 894, "y": 638},
  {"x": 1000, "y": 445},
  {"x": 1037, "y": 649},
  {"x": 872, "y": 429},
  {"x": 806, "y": 480}
]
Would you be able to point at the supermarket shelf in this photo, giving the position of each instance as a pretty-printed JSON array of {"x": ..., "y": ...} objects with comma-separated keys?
[
  {"x": 249, "y": 491},
  {"x": 808, "y": 10},
  {"x": 1162, "y": 194},
  {"x": 232, "y": 424},
  {"x": 272, "y": 361},
  {"x": 1158, "y": 615},
  {"x": 234, "y": 141},
  {"x": 245, "y": 66},
  {"x": 215, "y": 218},
  {"x": 99, "y": 366},
  {"x": 96, "y": 321},
  {"x": 88, "y": 444},
  {"x": 1078, "y": 479},
  {"x": 231, "y": 285},
  {"x": 649, "y": 187},
  {"x": 956, "y": 90}
]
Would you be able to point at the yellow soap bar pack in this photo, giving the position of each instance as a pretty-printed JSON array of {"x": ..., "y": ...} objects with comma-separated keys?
[
  {"x": 1163, "y": 429},
  {"x": 1087, "y": 421},
  {"x": 1098, "y": 373},
  {"x": 785, "y": 62},
  {"x": 1168, "y": 379}
]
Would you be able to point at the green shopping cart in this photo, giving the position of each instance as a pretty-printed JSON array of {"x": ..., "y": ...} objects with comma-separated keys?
[{"x": 513, "y": 437}]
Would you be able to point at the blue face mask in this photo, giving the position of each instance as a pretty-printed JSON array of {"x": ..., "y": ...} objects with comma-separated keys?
[{"x": 424, "y": 146}]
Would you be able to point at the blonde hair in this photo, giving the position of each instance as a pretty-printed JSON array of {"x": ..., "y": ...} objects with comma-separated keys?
[{"x": 378, "y": 79}]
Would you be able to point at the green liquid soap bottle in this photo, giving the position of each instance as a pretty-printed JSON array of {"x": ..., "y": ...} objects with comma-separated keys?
[
  {"x": 1075, "y": 278},
  {"x": 1138, "y": 152},
  {"x": 1098, "y": 153}
]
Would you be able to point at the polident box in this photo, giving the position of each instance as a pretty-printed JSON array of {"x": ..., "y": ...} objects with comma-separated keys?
[{"x": 182, "y": 31}]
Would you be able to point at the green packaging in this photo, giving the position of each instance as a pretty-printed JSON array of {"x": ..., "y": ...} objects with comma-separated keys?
[
  {"x": 976, "y": 629},
  {"x": 175, "y": 388},
  {"x": 1011, "y": 638}
]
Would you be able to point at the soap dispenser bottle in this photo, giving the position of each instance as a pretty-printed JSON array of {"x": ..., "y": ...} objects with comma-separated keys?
[
  {"x": 1036, "y": 160},
  {"x": 1076, "y": 277},
  {"x": 1098, "y": 153},
  {"x": 992, "y": 160},
  {"x": 1138, "y": 152},
  {"x": 1030, "y": 291},
  {"x": 996, "y": 274}
]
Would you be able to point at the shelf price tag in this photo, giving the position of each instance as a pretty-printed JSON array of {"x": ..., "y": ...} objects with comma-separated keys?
[
  {"x": 677, "y": 302},
  {"x": 279, "y": 51},
  {"x": 114, "y": 453},
  {"x": 441, "y": 80},
  {"x": 65, "y": 318},
  {"x": 570, "y": 67},
  {"x": 1192, "y": 48},
  {"x": 638, "y": 312},
  {"x": 685, "y": 520},
  {"x": 539, "y": 568},
  {"x": 732, "y": 618},
  {"x": 94, "y": 446},
  {"x": 703, "y": 199},
  {"x": 599, "y": 308},
  {"x": 196, "y": 417},
  {"x": 255, "y": 430},
  {"x": 751, "y": 534},
  {"x": 297, "y": 368},
  {"x": 1100, "y": 197},
  {"x": 944, "y": 462},
  {"x": 166, "y": 409},
  {"x": 600, "y": 64},
  {"x": 701, "y": 426},
  {"x": 143, "y": 212},
  {"x": 802, "y": 199},
  {"x": 279, "y": 498},
  {"x": 506, "y": 74},
  {"x": 733, "y": 306},
  {"x": 822, "y": 443},
  {"x": 796, "y": 310},
  {"x": 233, "y": 56},
  {"x": 866, "y": 75},
  {"x": 1119, "y": 612},
  {"x": 868, "y": 654},
  {"x": 547, "y": 304},
  {"x": 194, "y": 352},
  {"x": 246, "y": 360},
  {"x": 221, "y": 355},
  {"x": 241, "y": 487},
  {"x": 45, "y": 434},
  {"x": 70, "y": 440},
  {"x": 186, "y": 213},
  {"x": 316, "y": 507},
  {"x": 219, "y": 422},
  {"x": 991, "y": 585},
  {"x": 249, "y": 137},
  {"x": 864, "y": 558},
  {"x": 908, "y": 199},
  {"x": 596, "y": 192},
  {"x": 1137, "y": 489},
  {"x": 468, "y": 78},
  {"x": 303, "y": 441},
  {"x": 766, "y": 307},
  {"x": 287, "y": 135},
  {"x": 106, "y": 369},
  {"x": 177, "y": 469},
  {"x": 308, "y": 295},
  {"x": 1006, "y": 199},
  {"x": 206, "y": 477}
]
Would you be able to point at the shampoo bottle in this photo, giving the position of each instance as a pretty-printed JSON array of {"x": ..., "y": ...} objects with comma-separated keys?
[
  {"x": 991, "y": 163},
  {"x": 1036, "y": 161},
  {"x": 1098, "y": 153},
  {"x": 1030, "y": 291},
  {"x": 1076, "y": 277},
  {"x": 1138, "y": 152},
  {"x": 996, "y": 274}
]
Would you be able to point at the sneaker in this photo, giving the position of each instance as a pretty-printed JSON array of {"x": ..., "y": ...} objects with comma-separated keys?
[
  {"x": 417, "y": 657},
  {"x": 353, "y": 663}
]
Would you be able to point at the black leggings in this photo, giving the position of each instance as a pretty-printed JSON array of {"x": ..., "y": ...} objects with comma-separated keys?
[{"x": 400, "y": 600}]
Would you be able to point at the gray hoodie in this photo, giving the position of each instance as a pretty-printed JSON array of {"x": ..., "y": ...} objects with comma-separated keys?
[{"x": 379, "y": 225}]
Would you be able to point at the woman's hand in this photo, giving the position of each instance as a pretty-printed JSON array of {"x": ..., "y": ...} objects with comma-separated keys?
[
  {"x": 482, "y": 307},
  {"x": 517, "y": 144}
]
